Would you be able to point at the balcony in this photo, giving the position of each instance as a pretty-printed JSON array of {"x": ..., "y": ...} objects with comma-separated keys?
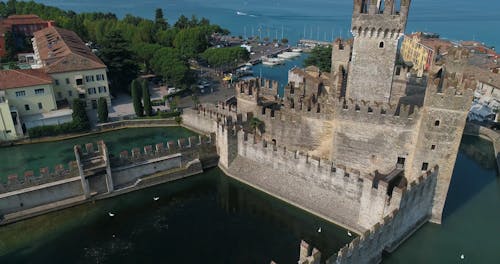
[{"x": 81, "y": 89}]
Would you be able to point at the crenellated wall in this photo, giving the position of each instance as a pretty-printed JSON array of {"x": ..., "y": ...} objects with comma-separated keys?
[
  {"x": 393, "y": 229},
  {"x": 341, "y": 194}
]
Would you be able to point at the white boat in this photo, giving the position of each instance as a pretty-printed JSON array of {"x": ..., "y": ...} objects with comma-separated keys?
[
  {"x": 241, "y": 13},
  {"x": 297, "y": 50},
  {"x": 288, "y": 55},
  {"x": 272, "y": 61}
]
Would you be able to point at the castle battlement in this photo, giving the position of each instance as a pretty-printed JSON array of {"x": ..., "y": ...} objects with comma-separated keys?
[
  {"x": 376, "y": 112},
  {"x": 182, "y": 145},
  {"x": 44, "y": 176},
  {"x": 454, "y": 92},
  {"x": 369, "y": 19},
  {"x": 392, "y": 228}
]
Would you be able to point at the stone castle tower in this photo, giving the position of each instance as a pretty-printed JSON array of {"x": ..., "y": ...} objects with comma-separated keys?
[{"x": 377, "y": 28}]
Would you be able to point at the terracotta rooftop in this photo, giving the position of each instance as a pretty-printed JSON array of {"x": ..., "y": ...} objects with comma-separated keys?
[
  {"x": 62, "y": 50},
  {"x": 23, "y": 20},
  {"x": 23, "y": 78}
]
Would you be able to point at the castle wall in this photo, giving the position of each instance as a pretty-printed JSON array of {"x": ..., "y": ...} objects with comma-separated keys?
[
  {"x": 303, "y": 130},
  {"x": 372, "y": 138},
  {"x": 340, "y": 194},
  {"x": 393, "y": 229},
  {"x": 439, "y": 136},
  {"x": 130, "y": 173},
  {"x": 35, "y": 196},
  {"x": 199, "y": 122}
]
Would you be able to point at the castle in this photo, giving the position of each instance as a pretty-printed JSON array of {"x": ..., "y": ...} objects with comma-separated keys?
[{"x": 369, "y": 145}]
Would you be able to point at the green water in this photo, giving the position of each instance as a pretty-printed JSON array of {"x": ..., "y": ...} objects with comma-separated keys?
[{"x": 18, "y": 159}]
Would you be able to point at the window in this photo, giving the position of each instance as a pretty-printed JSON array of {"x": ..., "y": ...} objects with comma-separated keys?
[
  {"x": 100, "y": 77},
  {"x": 437, "y": 123},
  {"x": 425, "y": 165},
  {"x": 381, "y": 45},
  {"x": 89, "y": 78},
  {"x": 40, "y": 106},
  {"x": 59, "y": 95},
  {"x": 79, "y": 81},
  {"x": 102, "y": 89},
  {"x": 56, "y": 81},
  {"x": 39, "y": 91},
  {"x": 20, "y": 93},
  {"x": 433, "y": 147},
  {"x": 91, "y": 90},
  {"x": 401, "y": 162},
  {"x": 70, "y": 93},
  {"x": 67, "y": 80},
  {"x": 26, "y": 107}
]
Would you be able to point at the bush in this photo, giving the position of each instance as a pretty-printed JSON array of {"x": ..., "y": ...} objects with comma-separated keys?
[
  {"x": 169, "y": 114},
  {"x": 54, "y": 130},
  {"x": 148, "y": 110}
]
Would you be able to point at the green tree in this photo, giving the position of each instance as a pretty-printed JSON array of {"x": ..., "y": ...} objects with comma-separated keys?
[
  {"x": 80, "y": 118},
  {"x": 146, "y": 99},
  {"x": 182, "y": 22},
  {"x": 169, "y": 64},
  {"x": 256, "y": 125},
  {"x": 178, "y": 120},
  {"x": 145, "y": 52},
  {"x": 191, "y": 41},
  {"x": 115, "y": 53},
  {"x": 321, "y": 57},
  {"x": 160, "y": 22},
  {"x": 136, "y": 98},
  {"x": 102, "y": 110},
  {"x": 166, "y": 37},
  {"x": 225, "y": 57}
]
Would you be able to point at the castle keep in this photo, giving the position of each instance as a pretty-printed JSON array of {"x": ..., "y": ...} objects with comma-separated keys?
[{"x": 369, "y": 145}]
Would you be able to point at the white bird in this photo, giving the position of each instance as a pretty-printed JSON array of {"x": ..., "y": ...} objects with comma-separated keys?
[
  {"x": 319, "y": 230},
  {"x": 111, "y": 214},
  {"x": 349, "y": 233},
  {"x": 156, "y": 198},
  {"x": 462, "y": 256}
]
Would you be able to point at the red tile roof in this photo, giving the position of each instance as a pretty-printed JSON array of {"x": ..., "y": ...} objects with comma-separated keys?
[
  {"x": 10, "y": 79},
  {"x": 24, "y": 20},
  {"x": 62, "y": 50}
]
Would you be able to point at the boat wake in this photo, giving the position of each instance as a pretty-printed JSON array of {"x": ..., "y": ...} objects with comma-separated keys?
[{"x": 239, "y": 13}]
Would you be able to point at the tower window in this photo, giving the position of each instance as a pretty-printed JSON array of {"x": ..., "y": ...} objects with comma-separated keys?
[
  {"x": 381, "y": 45},
  {"x": 425, "y": 165},
  {"x": 433, "y": 147},
  {"x": 437, "y": 123}
]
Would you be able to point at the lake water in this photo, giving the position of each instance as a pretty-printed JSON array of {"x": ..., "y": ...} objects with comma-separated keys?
[
  {"x": 84, "y": 234},
  {"x": 209, "y": 218},
  {"x": 320, "y": 19}
]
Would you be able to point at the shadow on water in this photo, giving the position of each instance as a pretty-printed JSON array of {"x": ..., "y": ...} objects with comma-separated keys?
[
  {"x": 462, "y": 189},
  {"x": 209, "y": 218}
]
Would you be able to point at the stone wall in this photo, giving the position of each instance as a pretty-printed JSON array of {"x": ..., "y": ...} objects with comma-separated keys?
[
  {"x": 39, "y": 195},
  {"x": 386, "y": 235},
  {"x": 333, "y": 191},
  {"x": 130, "y": 173},
  {"x": 371, "y": 137}
]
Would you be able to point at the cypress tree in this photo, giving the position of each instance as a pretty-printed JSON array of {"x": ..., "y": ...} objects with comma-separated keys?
[
  {"x": 80, "y": 118},
  {"x": 102, "y": 110},
  {"x": 136, "y": 98},
  {"x": 146, "y": 99}
]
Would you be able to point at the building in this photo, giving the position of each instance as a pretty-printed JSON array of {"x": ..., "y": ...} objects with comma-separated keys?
[
  {"x": 421, "y": 49},
  {"x": 22, "y": 28},
  {"x": 27, "y": 100},
  {"x": 75, "y": 70}
]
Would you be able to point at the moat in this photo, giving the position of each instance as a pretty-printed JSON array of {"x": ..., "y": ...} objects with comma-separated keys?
[{"x": 212, "y": 218}]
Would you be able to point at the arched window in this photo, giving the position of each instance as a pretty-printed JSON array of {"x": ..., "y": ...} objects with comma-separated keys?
[
  {"x": 437, "y": 123},
  {"x": 381, "y": 44}
]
